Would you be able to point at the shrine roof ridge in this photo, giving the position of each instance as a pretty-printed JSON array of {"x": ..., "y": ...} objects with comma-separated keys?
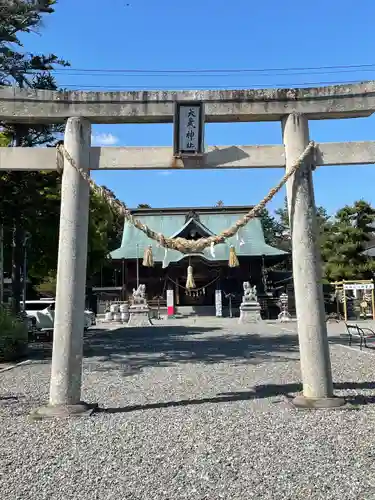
[
  {"x": 141, "y": 106},
  {"x": 234, "y": 209}
]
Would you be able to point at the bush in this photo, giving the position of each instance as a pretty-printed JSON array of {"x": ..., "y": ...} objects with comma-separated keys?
[{"x": 13, "y": 336}]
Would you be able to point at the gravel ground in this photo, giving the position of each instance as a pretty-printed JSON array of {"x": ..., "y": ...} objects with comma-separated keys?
[{"x": 190, "y": 412}]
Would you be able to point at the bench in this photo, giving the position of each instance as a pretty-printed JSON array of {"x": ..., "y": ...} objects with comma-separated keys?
[{"x": 362, "y": 334}]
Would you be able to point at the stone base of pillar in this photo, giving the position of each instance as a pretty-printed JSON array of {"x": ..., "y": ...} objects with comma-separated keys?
[
  {"x": 250, "y": 312},
  {"x": 139, "y": 315},
  {"x": 63, "y": 411},
  {"x": 303, "y": 403}
]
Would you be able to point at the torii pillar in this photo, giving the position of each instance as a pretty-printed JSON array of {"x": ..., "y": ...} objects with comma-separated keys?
[
  {"x": 307, "y": 274},
  {"x": 66, "y": 371}
]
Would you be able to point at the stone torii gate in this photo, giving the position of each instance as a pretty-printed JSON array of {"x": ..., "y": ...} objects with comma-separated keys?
[{"x": 292, "y": 107}]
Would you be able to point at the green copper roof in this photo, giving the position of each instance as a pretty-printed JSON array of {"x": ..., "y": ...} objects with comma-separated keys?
[{"x": 171, "y": 225}]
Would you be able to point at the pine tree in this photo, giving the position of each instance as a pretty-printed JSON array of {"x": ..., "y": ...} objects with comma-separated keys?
[
  {"x": 272, "y": 228},
  {"x": 283, "y": 217},
  {"x": 345, "y": 241},
  {"x": 27, "y": 197},
  {"x": 25, "y": 70}
]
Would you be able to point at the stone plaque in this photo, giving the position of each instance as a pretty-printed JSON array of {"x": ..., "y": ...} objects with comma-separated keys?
[{"x": 189, "y": 129}]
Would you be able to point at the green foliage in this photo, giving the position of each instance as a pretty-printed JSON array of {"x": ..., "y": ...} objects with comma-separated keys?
[
  {"x": 105, "y": 228},
  {"x": 38, "y": 213},
  {"x": 4, "y": 140},
  {"x": 13, "y": 336},
  {"x": 47, "y": 286},
  {"x": 272, "y": 228},
  {"x": 345, "y": 240},
  {"x": 283, "y": 217},
  {"x": 32, "y": 202},
  {"x": 342, "y": 239},
  {"x": 18, "y": 17},
  {"x": 32, "y": 71}
]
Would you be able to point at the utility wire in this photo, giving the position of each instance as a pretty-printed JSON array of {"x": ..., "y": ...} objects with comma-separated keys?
[
  {"x": 199, "y": 71},
  {"x": 212, "y": 87},
  {"x": 204, "y": 75}
]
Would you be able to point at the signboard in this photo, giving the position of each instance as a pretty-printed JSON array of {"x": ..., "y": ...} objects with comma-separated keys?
[
  {"x": 170, "y": 302},
  {"x": 218, "y": 304},
  {"x": 189, "y": 128},
  {"x": 358, "y": 286}
]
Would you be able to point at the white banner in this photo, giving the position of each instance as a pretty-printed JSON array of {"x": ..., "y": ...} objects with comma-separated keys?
[
  {"x": 170, "y": 298},
  {"x": 189, "y": 126},
  {"x": 218, "y": 304},
  {"x": 170, "y": 303},
  {"x": 358, "y": 286}
]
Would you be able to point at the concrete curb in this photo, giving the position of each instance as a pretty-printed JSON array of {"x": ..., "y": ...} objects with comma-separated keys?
[{"x": 8, "y": 368}]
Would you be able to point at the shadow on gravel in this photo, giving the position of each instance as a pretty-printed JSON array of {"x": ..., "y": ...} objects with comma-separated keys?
[
  {"x": 132, "y": 349},
  {"x": 258, "y": 392},
  {"x": 342, "y": 339}
]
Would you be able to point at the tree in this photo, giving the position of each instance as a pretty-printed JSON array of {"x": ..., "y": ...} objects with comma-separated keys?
[
  {"x": 283, "y": 217},
  {"x": 280, "y": 234},
  {"x": 104, "y": 235},
  {"x": 219, "y": 203},
  {"x": 4, "y": 140},
  {"x": 18, "y": 17},
  {"x": 343, "y": 244},
  {"x": 41, "y": 192},
  {"x": 143, "y": 205},
  {"x": 105, "y": 228},
  {"x": 30, "y": 201},
  {"x": 25, "y": 70},
  {"x": 272, "y": 228}
]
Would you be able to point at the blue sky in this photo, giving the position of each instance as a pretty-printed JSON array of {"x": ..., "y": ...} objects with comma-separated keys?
[{"x": 216, "y": 34}]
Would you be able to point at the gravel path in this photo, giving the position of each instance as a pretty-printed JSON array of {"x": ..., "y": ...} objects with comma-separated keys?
[{"x": 190, "y": 413}]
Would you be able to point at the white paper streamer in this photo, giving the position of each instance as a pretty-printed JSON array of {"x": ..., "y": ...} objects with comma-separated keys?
[
  {"x": 165, "y": 264},
  {"x": 239, "y": 238},
  {"x": 212, "y": 250}
]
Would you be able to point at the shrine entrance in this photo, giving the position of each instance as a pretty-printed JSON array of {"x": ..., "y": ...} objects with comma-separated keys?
[{"x": 299, "y": 156}]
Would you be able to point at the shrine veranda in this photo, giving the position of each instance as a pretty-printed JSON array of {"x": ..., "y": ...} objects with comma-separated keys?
[{"x": 293, "y": 108}]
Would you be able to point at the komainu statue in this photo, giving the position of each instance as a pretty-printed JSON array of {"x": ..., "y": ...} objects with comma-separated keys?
[
  {"x": 250, "y": 308},
  {"x": 250, "y": 293},
  {"x": 139, "y": 293},
  {"x": 139, "y": 312}
]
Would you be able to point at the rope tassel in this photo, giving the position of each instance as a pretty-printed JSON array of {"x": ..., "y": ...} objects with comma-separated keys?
[
  {"x": 148, "y": 258},
  {"x": 233, "y": 259},
  {"x": 190, "y": 283}
]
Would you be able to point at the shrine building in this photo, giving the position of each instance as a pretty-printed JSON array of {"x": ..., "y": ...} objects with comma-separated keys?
[{"x": 211, "y": 269}]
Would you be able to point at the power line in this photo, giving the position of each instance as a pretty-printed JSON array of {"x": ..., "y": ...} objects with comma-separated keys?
[
  {"x": 203, "y": 87},
  {"x": 203, "y": 70},
  {"x": 205, "y": 75}
]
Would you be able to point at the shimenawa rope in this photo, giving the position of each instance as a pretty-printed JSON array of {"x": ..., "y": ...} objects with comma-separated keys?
[{"x": 181, "y": 244}]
